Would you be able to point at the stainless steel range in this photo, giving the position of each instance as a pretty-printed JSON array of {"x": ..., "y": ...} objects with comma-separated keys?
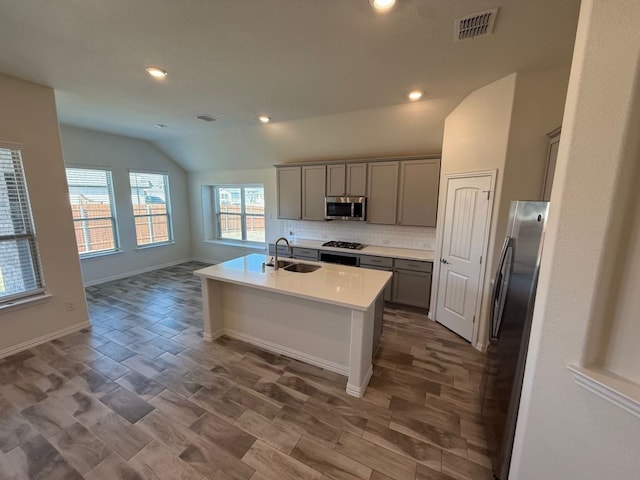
[{"x": 348, "y": 245}]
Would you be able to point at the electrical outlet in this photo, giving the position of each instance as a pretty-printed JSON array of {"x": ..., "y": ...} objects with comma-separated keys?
[
  {"x": 69, "y": 305},
  {"x": 427, "y": 246},
  {"x": 385, "y": 242},
  {"x": 323, "y": 236}
]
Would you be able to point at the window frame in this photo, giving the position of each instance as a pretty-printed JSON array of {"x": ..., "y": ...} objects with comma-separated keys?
[
  {"x": 24, "y": 205},
  {"x": 243, "y": 213},
  {"x": 167, "y": 195},
  {"x": 114, "y": 214}
]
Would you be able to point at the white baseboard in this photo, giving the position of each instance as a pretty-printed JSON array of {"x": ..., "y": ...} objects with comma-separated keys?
[
  {"x": 43, "y": 339},
  {"x": 289, "y": 352},
  {"x": 210, "y": 337},
  {"x": 135, "y": 272},
  {"x": 481, "y": 347},
  {"x": 358, "y": 390},
  {"x": 205, "y": 260}
]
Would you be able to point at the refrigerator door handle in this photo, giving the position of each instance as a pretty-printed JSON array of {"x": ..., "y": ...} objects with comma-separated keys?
[{"x": 498, "y": 287}]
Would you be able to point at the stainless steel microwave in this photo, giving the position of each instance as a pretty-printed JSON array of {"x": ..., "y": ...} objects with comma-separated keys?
[{"x": 345, "y": 208}]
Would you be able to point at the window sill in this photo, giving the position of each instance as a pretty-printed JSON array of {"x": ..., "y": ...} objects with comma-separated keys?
[
  {"x": 99, "y": 254},
  {"x": 615, "y": 389},
  {"x": 24, "y": 302},
  {"x": 239, "y": 243},
  {"x": 154, "y": 245}
]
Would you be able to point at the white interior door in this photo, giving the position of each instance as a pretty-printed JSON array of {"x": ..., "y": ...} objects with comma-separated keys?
[{"x": 466, "y": 222}]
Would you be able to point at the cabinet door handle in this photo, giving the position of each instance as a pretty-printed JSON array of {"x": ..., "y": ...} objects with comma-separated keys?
[{"x": 442, "y": 260}]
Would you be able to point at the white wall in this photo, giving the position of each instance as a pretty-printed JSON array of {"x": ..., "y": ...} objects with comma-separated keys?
[
  {"x": 405, "y": 129},
  {"x": 219, "y": 252},
  {"x": 503, "y": 127},
  {"x": 91, "y": 148},
  {"x": 621, "y": 354},
  {"x": 476, "y": 138},
  {"x": 29, "y": 118},
  {"x": 565, "y": 431}
]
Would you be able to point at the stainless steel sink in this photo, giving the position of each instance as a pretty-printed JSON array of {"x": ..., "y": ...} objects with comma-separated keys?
[
  {"x": 301, "y": 268},
  {"x": 281, "y": 264}
]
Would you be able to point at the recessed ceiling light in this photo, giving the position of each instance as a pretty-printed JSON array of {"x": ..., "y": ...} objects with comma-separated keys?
[
  {"x": 415, "y": 95},
  {"x": 156, "y": 72},
  {"x": 382, "y": 5},
  {"x": 264, "y": 119},
  {"x": 160, "y": 125}
]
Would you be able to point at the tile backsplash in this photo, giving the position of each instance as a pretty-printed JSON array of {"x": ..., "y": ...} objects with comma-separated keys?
[{"x": 422, "y": 238}]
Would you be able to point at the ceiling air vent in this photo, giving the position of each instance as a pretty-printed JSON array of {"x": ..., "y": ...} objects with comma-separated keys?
[
  {"x": 475, "y": 25},
  {"x": 206, "y": 118}
]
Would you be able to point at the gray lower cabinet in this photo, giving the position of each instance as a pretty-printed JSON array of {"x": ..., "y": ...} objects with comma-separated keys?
[
  {"x": 289, "y": 181},
  {"x": 412, "y": 282},
  {"x": 379, "y": 263},
  {"x": 382, "y": 193},
  {"x": 313, "y": 191},
  {"x": 305, "y": 253},
  {"x": 418, "y": 192}
]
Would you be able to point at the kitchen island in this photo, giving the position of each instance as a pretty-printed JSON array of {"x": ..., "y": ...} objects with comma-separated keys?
[{"x": 331, "y": 317}]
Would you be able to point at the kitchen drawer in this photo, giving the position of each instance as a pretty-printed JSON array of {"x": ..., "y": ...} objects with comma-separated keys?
[
  {"x": 306, "y": 253},
  {"x": 366, "y": 260},
  {"x": 415, "y": 265},
  {"x": 283, "y": 250}
]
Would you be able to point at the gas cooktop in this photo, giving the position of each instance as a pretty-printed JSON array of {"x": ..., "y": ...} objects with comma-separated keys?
[{"x": 349, "y": 245}]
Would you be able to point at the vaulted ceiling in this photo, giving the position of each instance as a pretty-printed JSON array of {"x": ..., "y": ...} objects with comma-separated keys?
[{"x": 290, "y": 59}]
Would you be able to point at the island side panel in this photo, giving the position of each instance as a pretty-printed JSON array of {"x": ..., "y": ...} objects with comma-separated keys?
[
  {"x": 213, "y": 322},
  {"x": 361, "y": 350},
  {"x": 377, "y": 324},
  {"x": 308, "y": 330}
]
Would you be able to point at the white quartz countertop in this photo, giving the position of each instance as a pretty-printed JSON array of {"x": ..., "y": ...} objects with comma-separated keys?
[
  {"x": 379, "y": 251},
  {"x": 351, "y": 287}
]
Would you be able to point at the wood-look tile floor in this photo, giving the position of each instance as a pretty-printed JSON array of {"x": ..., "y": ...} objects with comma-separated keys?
[{"x": 142, "y": 396}]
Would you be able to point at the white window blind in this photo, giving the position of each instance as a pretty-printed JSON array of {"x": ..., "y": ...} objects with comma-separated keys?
[
  {"x": 94, "y": 218},
  {"x": 151, "y": 211},
  {"x": 20, "y": 268},
  {"x": 240, "y": 212}
]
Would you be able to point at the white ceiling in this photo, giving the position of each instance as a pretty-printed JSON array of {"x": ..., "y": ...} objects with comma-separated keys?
[{"x": 236, "y": 59}]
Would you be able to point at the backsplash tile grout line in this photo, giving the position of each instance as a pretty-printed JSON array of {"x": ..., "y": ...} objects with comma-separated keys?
[{"x": 422, "y": 238}]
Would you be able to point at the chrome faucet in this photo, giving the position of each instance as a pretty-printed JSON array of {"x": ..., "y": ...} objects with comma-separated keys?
[{"x": 275, "y": 248}]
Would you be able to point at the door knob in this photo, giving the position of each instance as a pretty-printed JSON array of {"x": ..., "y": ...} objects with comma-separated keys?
[{"x": 442, "y": 260}]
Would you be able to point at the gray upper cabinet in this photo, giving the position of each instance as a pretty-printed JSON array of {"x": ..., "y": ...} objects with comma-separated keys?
[
  {"x": 552, "y": 155},
  {"x": 313, "y": 190},
  {"x": 418, "y": 192},
  {"x": 399, "y": 191},
  {"x": 356, "y": 179},
  {"x": 289, "y": 192},
  {"x": 349, "y": 179},
  {"x": 336, "y": 180},
  {"x": 382, "y": 192}
]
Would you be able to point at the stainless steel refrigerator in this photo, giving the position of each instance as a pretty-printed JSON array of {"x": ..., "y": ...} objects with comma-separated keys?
[{"x": 514, "y": 292}]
